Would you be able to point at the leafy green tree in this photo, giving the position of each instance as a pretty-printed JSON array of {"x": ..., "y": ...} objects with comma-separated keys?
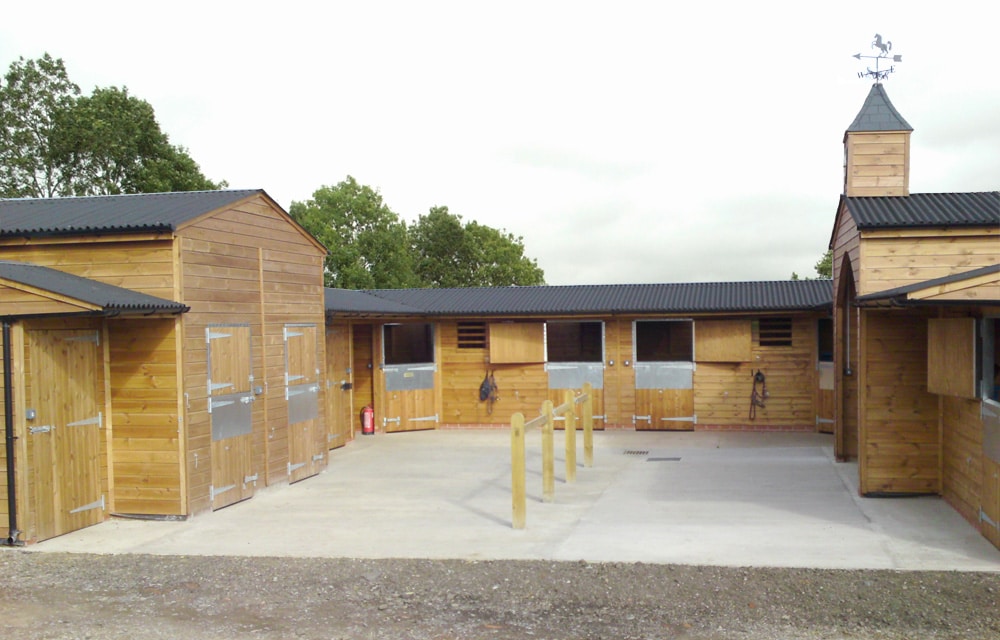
[
  {"x": 35, "y": 96},
  {"x": 824, "y": 268},
  {"x": 452, "y": 254},
  {"x": 367, "y": 241},
  {"x": 55, "y": 142}
]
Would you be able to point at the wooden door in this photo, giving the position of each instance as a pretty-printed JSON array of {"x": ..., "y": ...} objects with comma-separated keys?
[
  {"x": 663, "y": 362},
  {"x": 410, "y": 373},
  {"x": 230, "y": 403},
  {"x": 306, "y": 439},
  {"x": 64, "y": 440},
  {"x": 339, "y": 384}
]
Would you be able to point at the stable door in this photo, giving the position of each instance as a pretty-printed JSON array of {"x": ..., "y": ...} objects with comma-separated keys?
[
  {"x": 663, "y": 360},
  {"x": 230, "y": 405},
  {"x": 64, "y": 423},
  {"x": 306, "y": 438}
]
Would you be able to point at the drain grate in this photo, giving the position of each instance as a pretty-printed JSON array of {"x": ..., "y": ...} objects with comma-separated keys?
[
  {"x": 636, "y": 452},
  {"x": 663, "y": 459}
]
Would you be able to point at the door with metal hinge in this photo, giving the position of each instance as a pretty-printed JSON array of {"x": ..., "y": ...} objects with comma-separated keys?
[
  {"x": 663, "y": 360},
  {"x": 306, "y": 437},
  {"x": 410, "y": 371},
  {"x": 574, "y": 356},
  {"x": 64, "y": 418},
  {"x": 339, "y": 416},
  {"x": 230, "y": 406}
]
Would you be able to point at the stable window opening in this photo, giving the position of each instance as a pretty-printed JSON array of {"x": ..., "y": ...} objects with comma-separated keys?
[
  {"x": 664, "y": 341},
  {"x": 408, "y": 343},
  {"x": 774, "y": 332},
  {"x": 574, "y": 342}
]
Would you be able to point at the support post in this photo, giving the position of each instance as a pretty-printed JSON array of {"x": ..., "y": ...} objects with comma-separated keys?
[
  {"x": 517, "y": 467},
  {"x": 548, "y": 454},
  {"x": 588, "y": 425},
  {"x": 570, "y": 430}
]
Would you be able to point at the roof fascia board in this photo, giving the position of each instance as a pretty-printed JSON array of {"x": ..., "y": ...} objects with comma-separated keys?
[
  {"x": 909, "y": 231},
  {"x": 86, "y": 238},
  {"x": 988, "y": 284}
]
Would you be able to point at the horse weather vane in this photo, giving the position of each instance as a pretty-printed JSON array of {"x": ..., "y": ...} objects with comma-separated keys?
[{"x": 883, "y": 54}]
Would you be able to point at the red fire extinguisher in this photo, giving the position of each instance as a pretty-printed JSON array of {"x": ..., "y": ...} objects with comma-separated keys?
[{"x": 368, "y": 421}]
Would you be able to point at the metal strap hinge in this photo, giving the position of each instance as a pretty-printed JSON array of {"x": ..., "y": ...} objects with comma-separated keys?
[
  {"x": 293, "y": 467},
  {"x": 824, "y": 420},
  {"x": 95, "y": 338},
  {"x": 79, "y": 423},
  {"x": 693, "y": 419},
  {"x": 432, "y": 418},
  {"x": 252, "y": 478},
  {"x": 646, "y": 418},
  {"x": 386, "y": 421},
  {"x": 213, "y": 492},
  {"x": 43, "y": 429},
  {"x": 985, "y": 518},
  {"x": 317, "y": 457},
  {"x": 96, "y": 504}
]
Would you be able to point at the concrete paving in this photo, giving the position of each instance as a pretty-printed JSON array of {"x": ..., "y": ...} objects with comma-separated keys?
[{"x": 731, "y": 499}]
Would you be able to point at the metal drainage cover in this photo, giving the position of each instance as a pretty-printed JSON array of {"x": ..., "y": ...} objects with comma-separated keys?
[
  {"x": 636, "y": 452},
  {"x": 663, "y": 459}
]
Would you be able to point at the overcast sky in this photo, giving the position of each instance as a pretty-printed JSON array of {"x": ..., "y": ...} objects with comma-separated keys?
[{"x": 626, "y": 142}]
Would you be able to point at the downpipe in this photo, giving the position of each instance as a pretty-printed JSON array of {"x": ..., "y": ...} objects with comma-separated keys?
[{"x": 8, "y": 417}]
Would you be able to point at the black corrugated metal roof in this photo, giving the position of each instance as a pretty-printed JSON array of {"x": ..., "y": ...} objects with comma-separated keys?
[
  {"x": 143, "y": 212},
  {"x": 901, "y": 292},
  {"x": 361, "y": 302},
  {"x": 878, "y": 114},
  {"x": 926, "y": 210},
  {"x": 716, "y": 297},
  {"x": 109, "y": 297}
]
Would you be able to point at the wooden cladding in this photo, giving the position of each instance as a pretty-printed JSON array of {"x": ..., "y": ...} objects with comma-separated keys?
[
  {"x": 722, "y": 341},
  {"x": 517, "y": 342},
  {"x": 951, "y": 357},
  {"x": 877, "y": 163}
]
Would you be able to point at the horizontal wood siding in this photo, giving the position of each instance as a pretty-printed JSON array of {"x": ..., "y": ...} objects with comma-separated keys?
[
  {"x": 146, "y": 451},
  {"x": 877, "y": 164},
  {"x": 962, "y": 477},
  {"x": 890, "y": 261},
  {"x": 145, "y": 266},
  {"x": 522, "y": 387},
  {"x": 722, "y": 390},
  {"x": 900, "y": 443}
]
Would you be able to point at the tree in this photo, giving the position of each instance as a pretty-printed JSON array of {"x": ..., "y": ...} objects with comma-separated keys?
[
  {"x": 367, "y": 241},
  {"x": 55, "y": 142},
  {"x": 450, "y": 254},
  {"x": 824, "y": 268},
  {"x": 34, "y": 98}
]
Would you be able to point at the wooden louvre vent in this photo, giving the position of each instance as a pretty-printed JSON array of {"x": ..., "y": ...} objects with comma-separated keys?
[
  {"x": 471, "y": 335},
  {"x": 775, "y": 332}
]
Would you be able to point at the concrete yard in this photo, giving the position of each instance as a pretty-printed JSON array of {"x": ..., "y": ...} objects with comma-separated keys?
[{"x": 705, "y": 498}]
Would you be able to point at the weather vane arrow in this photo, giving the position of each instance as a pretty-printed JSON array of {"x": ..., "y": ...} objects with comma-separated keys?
[{"x": 883, "y": 54}]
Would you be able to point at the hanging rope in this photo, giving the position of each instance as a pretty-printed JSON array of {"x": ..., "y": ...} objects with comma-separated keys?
[{"x": 757, "y": 398}]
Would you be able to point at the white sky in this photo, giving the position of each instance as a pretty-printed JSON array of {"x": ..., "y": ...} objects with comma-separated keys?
[{"x": 626, "y": 142}]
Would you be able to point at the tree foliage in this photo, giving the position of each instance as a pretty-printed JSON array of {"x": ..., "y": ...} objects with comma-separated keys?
[
  {"x": 371, "y": 248},
  {"x": 824, "y": 268},
  {"x": 367, "y": 242},
  {"x": 56, "y": 142},
  {"x": 452, "y": 254}
]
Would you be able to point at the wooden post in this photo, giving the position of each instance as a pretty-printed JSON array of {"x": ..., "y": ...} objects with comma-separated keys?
[
  {"x": 588, "y": 425},
  {"x": 570, "y": 430},
  {"x": 517, "y": 493},
  {"x": 548, "y": 454}
]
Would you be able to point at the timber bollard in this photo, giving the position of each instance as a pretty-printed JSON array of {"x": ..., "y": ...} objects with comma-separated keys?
[
  {"x": 588, "y": 425},
  {"x": 517, "y": 465},
  {"x": 548, "y": 454},
  {"x": 570, "y": 430}
]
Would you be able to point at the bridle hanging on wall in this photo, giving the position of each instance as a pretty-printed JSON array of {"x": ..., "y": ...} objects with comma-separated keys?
[{"x": 757, "y": 398}]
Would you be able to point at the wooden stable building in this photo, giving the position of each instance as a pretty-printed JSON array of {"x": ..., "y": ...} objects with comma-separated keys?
[
  {"x": 659, "y": 356},
  {"x": 917, "y": 321},
  {"x": 162, "y": 356}
]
